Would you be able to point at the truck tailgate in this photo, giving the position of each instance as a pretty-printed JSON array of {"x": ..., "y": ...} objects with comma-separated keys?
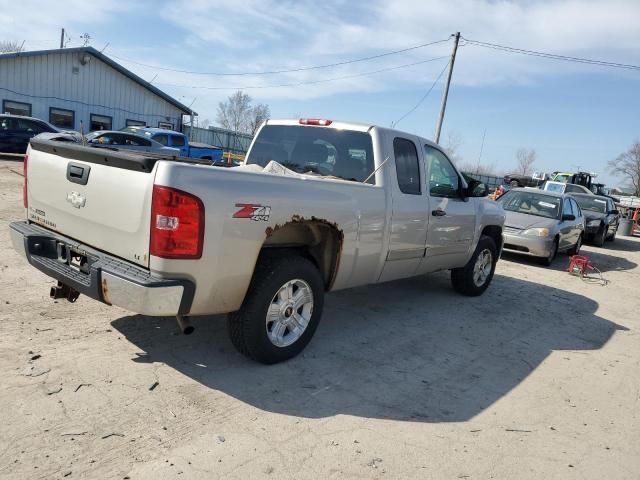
[{"x": 98, "y": 197}]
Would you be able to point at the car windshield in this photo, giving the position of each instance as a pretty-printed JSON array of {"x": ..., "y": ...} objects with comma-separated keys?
[
  {"x": 597, "y": 205},
  {"x": 315, "y": 150},
  {"x": 523, "y": 201}
]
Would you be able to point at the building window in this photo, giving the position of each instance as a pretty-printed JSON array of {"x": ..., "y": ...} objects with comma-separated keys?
[
  {"x": 135, "y": 123},
  {"x": 100, "y": 122},
  {"x": 61, "y": 117},
  {"x": 165, "y": 125},
  {"x": 16, "y": 108}
]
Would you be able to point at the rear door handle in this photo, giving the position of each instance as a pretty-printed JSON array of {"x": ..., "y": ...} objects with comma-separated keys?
[{"x": 438, "y": 213}]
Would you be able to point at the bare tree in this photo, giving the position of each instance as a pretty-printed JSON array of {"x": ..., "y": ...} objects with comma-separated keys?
[
  {"x": 259, "y": 114},
  {"x": 452, "y": 145},
  {"x": 10, "y": 46},
  {"x": 235, "y": 112},
  {"x": 526, "y": 157},
  {"x": 204, "y": 123},
  {"x": 627, "y": 165}
]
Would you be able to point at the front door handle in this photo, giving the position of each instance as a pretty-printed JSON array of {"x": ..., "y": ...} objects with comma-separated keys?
[{"x": 438, "y": 213}]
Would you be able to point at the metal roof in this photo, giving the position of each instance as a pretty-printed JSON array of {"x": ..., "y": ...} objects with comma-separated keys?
[{"x": 108, "y": 61}]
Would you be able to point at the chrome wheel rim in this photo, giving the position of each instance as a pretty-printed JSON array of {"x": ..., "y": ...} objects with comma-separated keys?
[
  {"x": 289, "y": 313},
  {"x": 482, "y": 268}
]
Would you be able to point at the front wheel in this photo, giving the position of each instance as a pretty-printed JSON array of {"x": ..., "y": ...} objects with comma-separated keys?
[
  {"x": 474, "y": 278},
  {"x": 600, "y": 237},
  {"x": 281, "y": 310}
]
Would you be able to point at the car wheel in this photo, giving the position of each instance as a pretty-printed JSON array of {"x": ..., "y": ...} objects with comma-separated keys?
[
  {"x": 575, "y": 250},
  {"x": 600, "y": 237},
  {"x": 548, "y": 260},
  {"x": 281, "y": 311},
  {"x": 514, "y": 183},
  {"x": 474, "y": 278},
  {"x": 612, "y": 237}
]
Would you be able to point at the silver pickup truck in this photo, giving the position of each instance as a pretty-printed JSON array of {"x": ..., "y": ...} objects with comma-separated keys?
[{"x": 318, "y": 206}]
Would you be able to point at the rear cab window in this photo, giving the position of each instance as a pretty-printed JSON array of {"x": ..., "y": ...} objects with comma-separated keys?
[
  {"x": 177, "y": 141},
  {"x": 407, "y": 166},
  {"x": 312, "y": 150}
]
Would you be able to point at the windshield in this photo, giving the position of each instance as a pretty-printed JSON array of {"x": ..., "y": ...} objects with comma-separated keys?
[
  {"x": 592, "y": 204},
  {"x": 316, "y": 150},
  {"x": 531, "y": 203}
]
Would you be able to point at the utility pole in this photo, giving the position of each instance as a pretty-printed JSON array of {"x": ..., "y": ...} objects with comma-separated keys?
[
  {"x": 62, "y": 38},
  {"x": 445, "y": 94}
]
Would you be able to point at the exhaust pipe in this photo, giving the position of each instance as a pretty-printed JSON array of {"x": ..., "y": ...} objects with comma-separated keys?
[{"x": 185, "y": 324}]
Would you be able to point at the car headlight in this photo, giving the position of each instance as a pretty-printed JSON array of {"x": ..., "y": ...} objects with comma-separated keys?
[
  {"x": 593, "y": 223},
  {"x": 536, "y": 232}
]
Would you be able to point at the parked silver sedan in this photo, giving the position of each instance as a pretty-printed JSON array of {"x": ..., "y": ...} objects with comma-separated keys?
[{"x": 541, "y": 223}]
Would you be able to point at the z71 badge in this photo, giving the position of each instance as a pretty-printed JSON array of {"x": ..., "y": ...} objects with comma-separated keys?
[{"x": 257, "y": 213}]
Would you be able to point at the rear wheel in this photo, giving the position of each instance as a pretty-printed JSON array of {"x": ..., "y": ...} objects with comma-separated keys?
[
  {"x": 514, "y": 183},
  {"x": 612, "y": 237},
  {"x": 281, "y": 310},
  {"x": 474, "y": 278}
]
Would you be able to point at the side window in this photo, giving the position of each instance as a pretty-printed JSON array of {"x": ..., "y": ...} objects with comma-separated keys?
[
  {"x": 162, "y": 138},
  {"x": 577, "y": 211},
  {"x": 29, "y": 126},
  {"x": 407, "y": 167},
  {"x": 443, "y": 178},
  {"x": 177, "y": 141},
  {"x": 567, "y": 210}
]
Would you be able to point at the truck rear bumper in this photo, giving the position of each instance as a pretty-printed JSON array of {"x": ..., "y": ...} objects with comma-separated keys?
[{"x": 102, "y": 277}]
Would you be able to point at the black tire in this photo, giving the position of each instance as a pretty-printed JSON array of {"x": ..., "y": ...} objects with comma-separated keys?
[
  {"x": 462, "y": 278},
  {"x": 514, "y": 183},
  {"x": 575, "y": 250},
  {"x": 600, "y": 237},
  {"x": 248, "y": 327},
  {"x": 547, "y": 261},
  {"x": 612, "y": 237}
]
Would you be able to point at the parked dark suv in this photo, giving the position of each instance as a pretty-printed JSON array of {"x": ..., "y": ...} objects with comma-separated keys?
[{"x": 16, "y": 131}]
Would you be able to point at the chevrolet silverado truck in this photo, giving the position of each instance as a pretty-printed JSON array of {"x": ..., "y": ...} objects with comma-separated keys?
[{"x": 319, "y": 206}]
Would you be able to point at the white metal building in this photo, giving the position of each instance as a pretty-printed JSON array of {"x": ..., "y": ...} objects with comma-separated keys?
[{"x": 68, "y": 86}]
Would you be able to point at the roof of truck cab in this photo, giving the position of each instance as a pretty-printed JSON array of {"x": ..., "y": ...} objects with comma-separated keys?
[{"x": 356, "y": 126}]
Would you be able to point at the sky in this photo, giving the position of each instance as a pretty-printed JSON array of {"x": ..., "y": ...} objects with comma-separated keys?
[{"x": 573, "y": 115}]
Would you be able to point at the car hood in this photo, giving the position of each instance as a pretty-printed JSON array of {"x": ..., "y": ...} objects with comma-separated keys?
[
  {"x": 524, "y": 221},
  {"x": 588, "y": 215}
]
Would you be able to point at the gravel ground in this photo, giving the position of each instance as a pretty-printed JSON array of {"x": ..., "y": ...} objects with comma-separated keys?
[{"x": 538, "y": 378}]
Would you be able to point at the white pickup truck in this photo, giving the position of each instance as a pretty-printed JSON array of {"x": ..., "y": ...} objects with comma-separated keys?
[{"x": 319, "y": 206}]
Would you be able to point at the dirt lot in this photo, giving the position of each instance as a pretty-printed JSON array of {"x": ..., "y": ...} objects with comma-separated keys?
[{"x": 539, "y": 378}]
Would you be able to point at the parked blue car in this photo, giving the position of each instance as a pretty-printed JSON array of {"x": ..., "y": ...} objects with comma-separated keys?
[{"x": 170, "y": 138}]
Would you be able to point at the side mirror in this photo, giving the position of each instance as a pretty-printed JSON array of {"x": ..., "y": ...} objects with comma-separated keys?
[
  {"x": 614, "y": 212},
  {"x": 568, "y": 217},
  {"x": 477, "y": 189}
]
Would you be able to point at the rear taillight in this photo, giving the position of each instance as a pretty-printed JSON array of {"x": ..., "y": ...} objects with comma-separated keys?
[
  {"x": 177, "y": 224},
  {"x": 25, "y": 196}
]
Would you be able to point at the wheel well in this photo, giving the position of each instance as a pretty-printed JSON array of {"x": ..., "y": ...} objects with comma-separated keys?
[
  {"x": 495, "y": 233},
  {"x": 206, "y": 157},
  {"x": 318, "y": 240}
]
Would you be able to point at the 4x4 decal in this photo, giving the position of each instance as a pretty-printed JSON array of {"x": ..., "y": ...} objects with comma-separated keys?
[{"x": 253, "y": 211}]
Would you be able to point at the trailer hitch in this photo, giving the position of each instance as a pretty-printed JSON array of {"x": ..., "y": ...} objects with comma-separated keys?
[{"x": 64, "y": 291}]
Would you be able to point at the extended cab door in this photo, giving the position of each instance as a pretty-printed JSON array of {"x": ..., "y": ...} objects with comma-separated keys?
[
  {"x": 180, "y": 141},
  {"x": 452, "y": 218},
  {"x": 409, "y": 213}
]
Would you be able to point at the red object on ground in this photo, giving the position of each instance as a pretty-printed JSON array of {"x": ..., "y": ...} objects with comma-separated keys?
[{"x": 578, "y": 265}]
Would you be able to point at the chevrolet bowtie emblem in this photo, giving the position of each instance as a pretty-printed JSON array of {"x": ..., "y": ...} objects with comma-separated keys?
[{"x": 76, "y": 200}]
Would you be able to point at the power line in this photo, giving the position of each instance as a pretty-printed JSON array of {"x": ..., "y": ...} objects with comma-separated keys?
[
  {"x": 309, "y": 82},
  {"x": 552, "y": 56},
  {"x": 424, "y": 97},
  {"x": 291, "y": 70}
]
